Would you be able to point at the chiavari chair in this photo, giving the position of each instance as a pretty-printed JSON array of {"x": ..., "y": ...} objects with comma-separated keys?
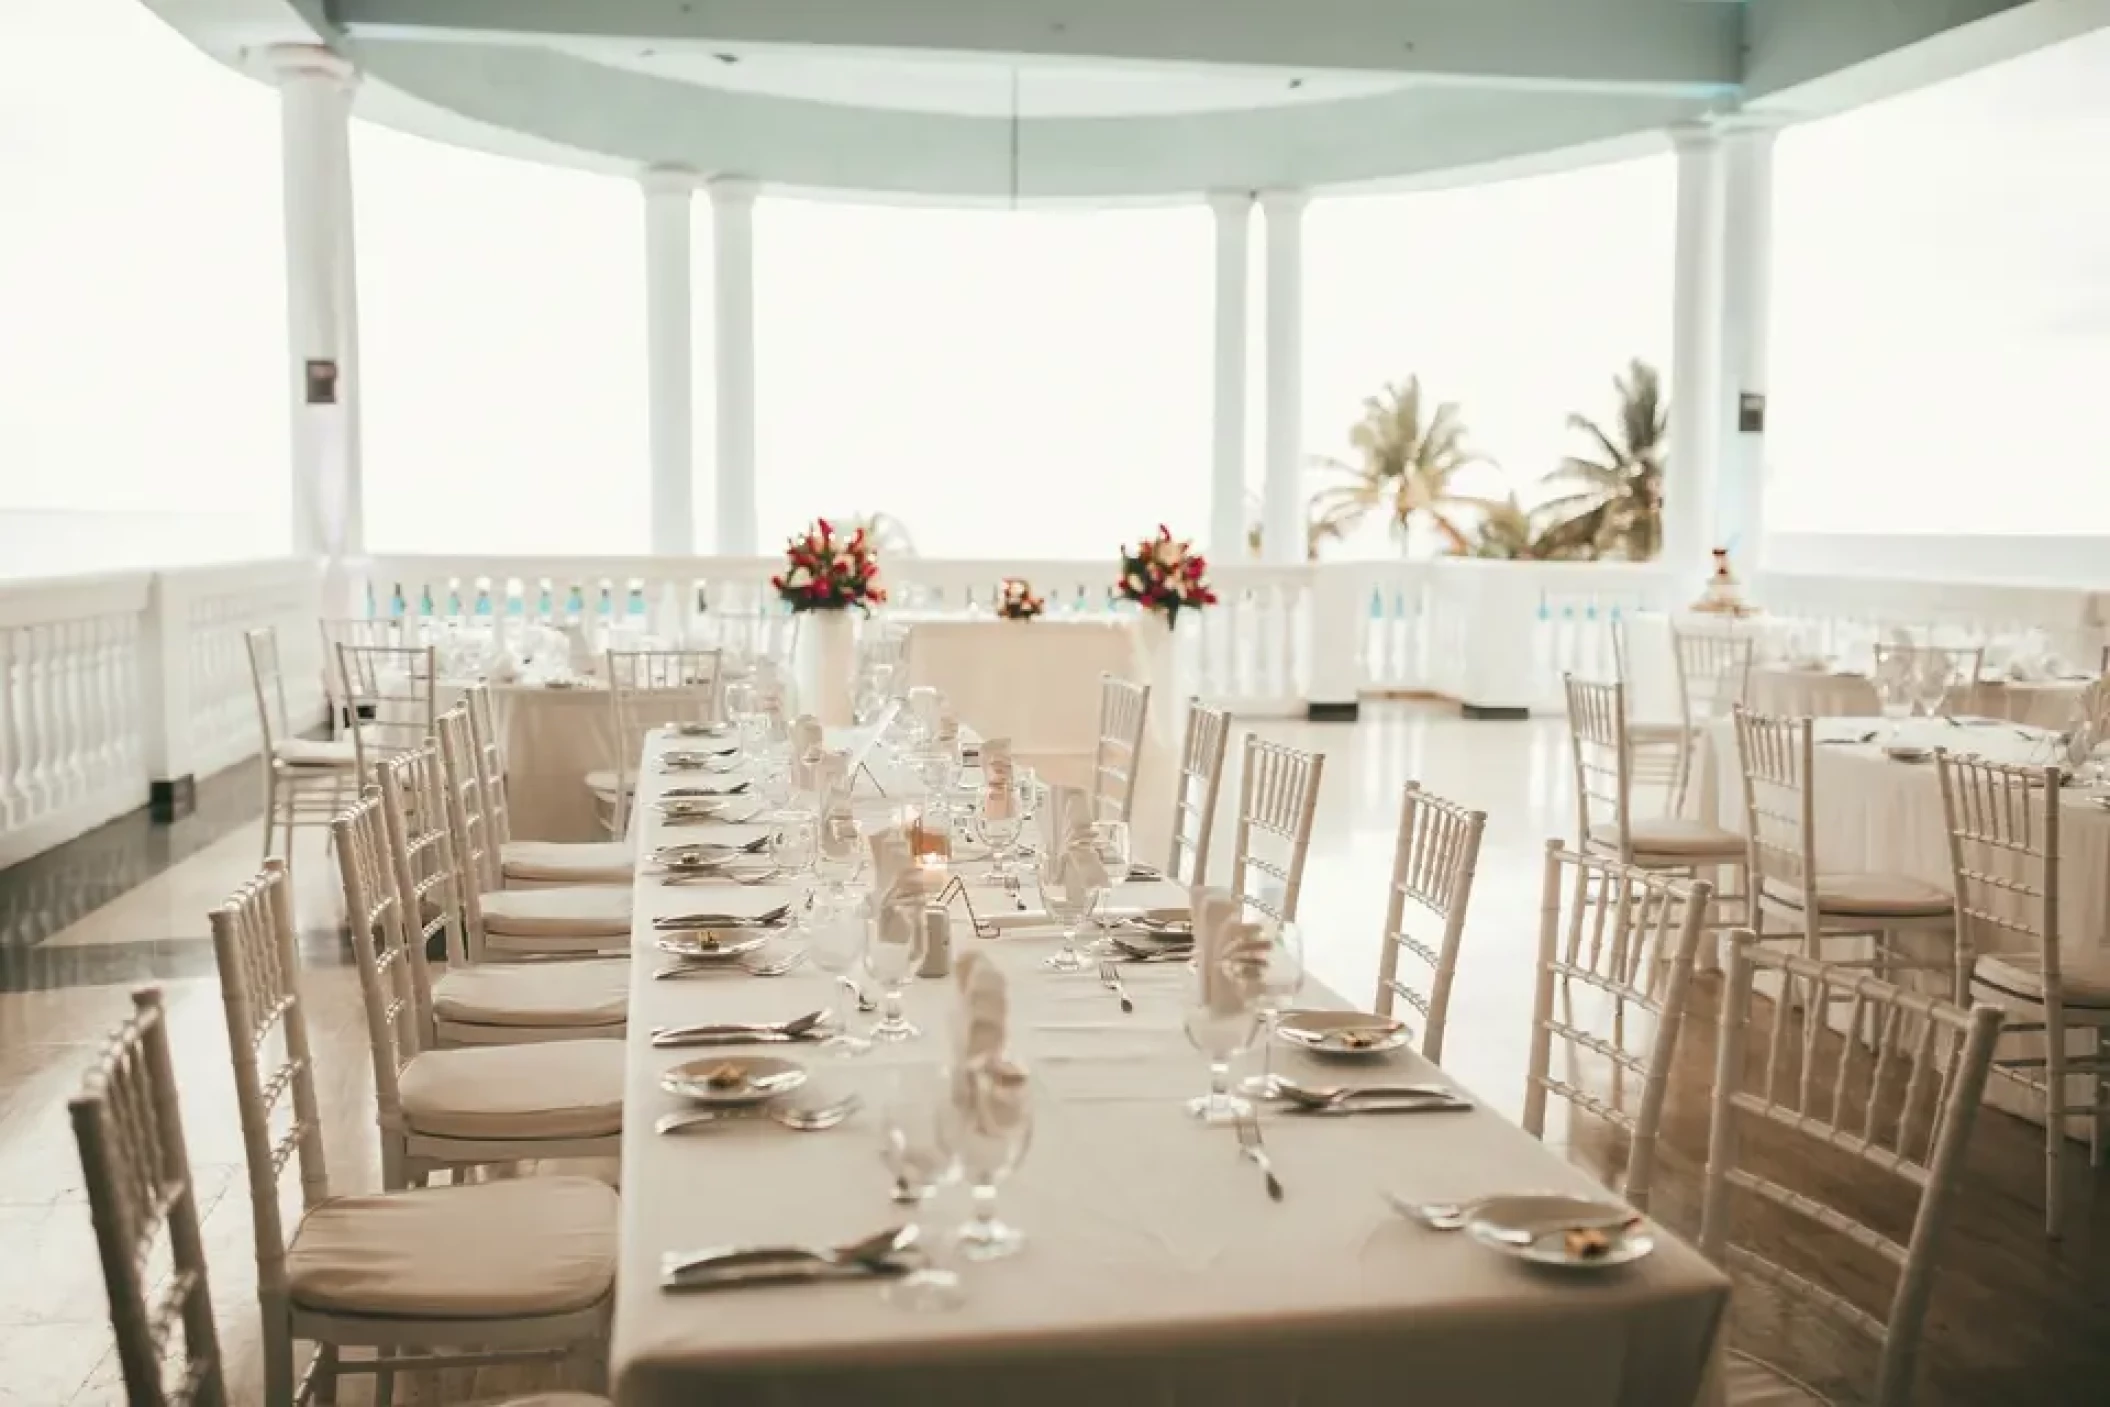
[
  {"x": 1714, "y": 677},
  {"x": 1432, "y": 871},
  {"x": 306, "y": 780},
  {"x": 531, "y": 862},
  {"x": 2004, "y": 848},
  {"x": 1124, "y": 712},
  {"x": 129, "y": 1127},
  {"x": 468, "y": 1106},
  {"x": 461, "y": 1277},
  {"x": 393, "y": 693},
  {"x": 648, "y": 689},
  {"x": 1278, "y": 800},
  {"x": 1801, "y": 1111},
  {"x": 1960, "y": 665},
  {"x": 1195, "y": 794},
  {"x": 1658, "y": 747},
  {"x": 380, "y": 631},
  {"x": 1616, "y": 946},
  {"x": 1899, "y": 915}
]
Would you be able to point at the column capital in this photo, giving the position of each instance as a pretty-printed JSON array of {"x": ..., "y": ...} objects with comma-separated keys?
[
  {"x": 295, "y": 63},
  {"x": 1697, "y": 138},
  {"x": 667, "y": 180},
  {"x": 1230, "y": 204},
  {"x": 1284, "y": 202},
  {"x": 733, "y": 192},
  {"x": 1752, "y": 129}
]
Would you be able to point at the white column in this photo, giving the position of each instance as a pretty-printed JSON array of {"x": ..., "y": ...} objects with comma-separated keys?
[
  {"x": 1747, "y": 271},
  {"x": 315, "y": 91},
  {"x": 1689, "y": 472},
  {"x": 669, "y": 194},
  {"x": 733, "y": 229},
  {"x": 1282, "y": 516},
  {"x": 1227, "y": 525}
]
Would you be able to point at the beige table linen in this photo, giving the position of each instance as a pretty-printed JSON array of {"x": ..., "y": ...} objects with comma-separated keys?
[
  {"x": 1819, "y": 693},
  {"x": 1874, "y": 815},
  {"x": 552, "y": 738},
  {"x": 1156, "y": 1272}
]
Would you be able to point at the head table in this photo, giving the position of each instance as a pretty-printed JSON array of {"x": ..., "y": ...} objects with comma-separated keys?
[{"x": 1157, "y": 1270}]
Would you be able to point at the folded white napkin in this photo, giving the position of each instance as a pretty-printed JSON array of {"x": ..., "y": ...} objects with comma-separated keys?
[
  {"x": 831, "y": 776},
  {"x": 805, "y": 753},
  {"x": 1228, "y": 953},
  {"x": 999, "y": 801},
  {"x": 984, "y": 1008},
  {"x": 947, "y": 733},
  {"x": 926, "y": 703},
  {"x": 892, "y": 858},
  {"x": 1066, "y": 831},
  {"x": 988, "y": 1088}
]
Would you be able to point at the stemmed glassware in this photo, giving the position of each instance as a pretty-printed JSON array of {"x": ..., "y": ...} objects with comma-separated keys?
[
  {"x": 794, "y": 843},
  {"x": 1278, "y": 975},
  {"x": 1000, "y": 830},
  {"x": 1894, "y": 698},
  {"x": 842, "y": 848},
  {"x": 989, "y": 1126},
  {"x": 914, "y": 1129},
  {"x": 1071, "y": 886},
  {"x": 835, "y": 944},
  {"x": 1220, "y": 1023},
  {"x": 874, "y": 688},
  {"x": 1930, "y": 683},
  {"x": 1111, "y": 840},
  {"x": 893, "y": 950}
]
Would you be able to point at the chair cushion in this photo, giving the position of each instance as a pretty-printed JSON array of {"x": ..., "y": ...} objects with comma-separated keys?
[
  {"x": 601, "y": 782},
  {"x": 534, "y": 994},
  {"x": 555, "y": 1089},
  {"x": 495, "y": 1250},
  {"x": 1750, "y": 1383},
  {"x": 555, "y": 1399},
  {"x": 2084, "y": 978},
  {"x": 578, "y": 910},
  {"x": 315, "y": 752},
  {"x": 1672, "y": 835},
  {"x": 1870, "y": 896},
  {"x": 568, "y": 862}
]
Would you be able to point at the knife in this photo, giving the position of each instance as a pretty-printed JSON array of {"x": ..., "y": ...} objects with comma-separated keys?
[{"x": 1390, "y": 1104}]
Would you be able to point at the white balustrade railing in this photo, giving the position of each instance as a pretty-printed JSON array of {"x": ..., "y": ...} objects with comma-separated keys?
[
  {"x": 1833, "y": 614},
  {"x": 111, "y": 684}
]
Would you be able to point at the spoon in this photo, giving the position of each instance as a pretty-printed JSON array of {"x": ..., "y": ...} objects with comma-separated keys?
[
  {"x": 849, "y": 984},
  {"x": 809, "y": 1119},
  {"x": 753, "y": 967},
  {"x": 1325, "y": 1096}
]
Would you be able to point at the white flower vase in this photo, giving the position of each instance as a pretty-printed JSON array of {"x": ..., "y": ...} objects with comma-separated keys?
[
  {"x": 1161, "y": 663},
  {"x": 826, "y": 655}
]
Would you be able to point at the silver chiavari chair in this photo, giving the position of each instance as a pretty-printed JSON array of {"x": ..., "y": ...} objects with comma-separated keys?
[
  {"x": 1124, "y": 712},
  {"x": 454, "y": 1109},
  {"x": 1714, "y": 677},
  {"x": 1278, "y": 800},
  {"x": 1802, "y": 1111},
  {"x": 137, "y": 1175},
  {"x": 500, "y": 1272},
  {"x": 1602, "y": 751},
  {"x": 381, "y": 631},
  {"x": 306, "y": 780},
  {"x": 393, "y": 695},
  {"x": 1960, "y": 665},
  {"x": 1658, "y": 746},
  {"x": 648, "y": 689},
  {"x": 1196, "y": 793},
  {"x": 2004, "y": 847},
  {"x": 1616, "y": 946},
  {"x": 1432, "y": 870},
  {"x": 1903, "y": 918},
  {"x": 531, "y": 862}
]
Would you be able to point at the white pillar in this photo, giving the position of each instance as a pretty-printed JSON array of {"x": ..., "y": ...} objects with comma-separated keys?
[
  {"x": 670, "y": 375},
  {"x": 1747, "y": 270},
  {"x": 1282, "y": 517},
  {"x": 1227, "y": 525},
  {"x": 1689, "y": 472},
  {"x": 733, "y": 231},
  {"x": 315, "y": 92}
]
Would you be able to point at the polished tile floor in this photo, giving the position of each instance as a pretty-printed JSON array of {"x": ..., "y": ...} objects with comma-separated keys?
[{"x": 2015, "y": 1320}]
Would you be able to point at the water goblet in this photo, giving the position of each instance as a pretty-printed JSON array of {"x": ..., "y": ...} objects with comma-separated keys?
[
  {"x": 1278, "y": 975},
  {"x": 1219, "y": 1022},
  {"x": 893, "y": 951},
  {"x": 835, "y": 944},
  {"x": 989, "y": 1127},
  {"x": 915, "y": 1147},
  {"x": 794, "y": 841},
  {"x": 842, "y": 849},
  {"x": 1069, "y": 890},
  {"x": 998, "y": 820},
  {"x": 1111, "y": 840}
]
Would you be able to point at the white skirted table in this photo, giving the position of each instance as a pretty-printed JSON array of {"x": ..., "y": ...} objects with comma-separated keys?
[
  {"x": 1156, "y": 1270},
  {"x": 552, "y": 737},
  {"x": 1828, "y": 693}
]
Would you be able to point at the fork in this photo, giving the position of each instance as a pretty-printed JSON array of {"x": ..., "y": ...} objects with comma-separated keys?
[
  {"x": 1110, "y": 978},
  {"x": 1250, "y": 1145}
]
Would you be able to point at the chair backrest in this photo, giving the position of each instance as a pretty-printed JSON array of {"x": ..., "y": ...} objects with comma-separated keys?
[
  {"x": 1432, "y": 870},
  {"x": 649, "y": 688},
  {"x": 392, "y": 693},
  {"x": 2004, "y": 851},
  {"x": 1194, "y": 800},
  {"x": 267, "y": 680},
  {"x": 1714, "y": 672},
  {"x": 1907, "y": 1115},
  {"x": 387, "y": 987},
  {"x": 352, "y": 630},
  {"x": 1278, "y": 799},
  {"x": 267, "y": 1032},
  {"x": 137, "y": 1175},
  {"x": 1124, "y": 711},
  {"x": 490, "y": 763},
  {"x": 1603, "y": 755},
  {"x": 421, "y": 865},
  {"x": 1778, "y": 759},
  {"x": 1616, "y": 947}
]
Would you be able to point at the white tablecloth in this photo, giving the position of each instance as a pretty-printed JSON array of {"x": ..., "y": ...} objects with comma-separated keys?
[
  {"x": 1157, "y": 1274},
  {"x": 1818, "y": 693},
  {"x": 1037, "y": 683},
  {"x": 1879, "y": 816},
  {"x": 552, "y": 739}
]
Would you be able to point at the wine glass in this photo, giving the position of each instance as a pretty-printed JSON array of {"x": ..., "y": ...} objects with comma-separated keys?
[
  {"x": 1930, "y": 682},
  {"x": 1219, "y": 1022},
  {"x": 1893, "y": 698},
  {"x": 842, "y": 850},
  {"x": 875, "y": 687},
  {"x": 835, "y": 944},
  {"x": 1111, "y": 840},
  {"x": 1069, "y": 891},
  {"x": 989, "y": 1127},
  {"x": 998, "y": 821},
  {"x": 915, "y": 1148},
  {"x": 1278, "y": 976},
  {"x": 893, "y": 951},
  {"x": 794, "y": 841}
]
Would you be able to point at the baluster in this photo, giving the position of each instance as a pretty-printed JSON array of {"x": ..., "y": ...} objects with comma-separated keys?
[
  {"x": 14, "y": 804},
  {"x": 95, "y": 709},
  {"x": 67, "y": 779}
]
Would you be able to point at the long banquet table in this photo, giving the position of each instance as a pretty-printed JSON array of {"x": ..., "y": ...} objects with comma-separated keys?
[{"x": 1157, "y": 1271}]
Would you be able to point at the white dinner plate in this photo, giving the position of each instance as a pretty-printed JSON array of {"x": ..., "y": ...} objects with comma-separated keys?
[
  {"x": 703, "y": 944},
  {"x": 682, "y": 808},
  {"x": 1352, "y": 1034},
  {"x": 1570, "y": 1232},
  {"x": 734, "y": 1079}
]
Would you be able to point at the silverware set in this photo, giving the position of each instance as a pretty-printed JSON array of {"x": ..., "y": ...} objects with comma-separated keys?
[
  {"x": 890, "y": 1252},
  {"x": 769, "y": 918},
  {"x": 751, "y": 964},
  {"x": 1253, "y": 1148},
  {"x": 811, "y": 1026},
  {"x": 809, "y": 1118},
  {"x": 1110, "y": 978},
  {"x": 1369, "y": 1099}
]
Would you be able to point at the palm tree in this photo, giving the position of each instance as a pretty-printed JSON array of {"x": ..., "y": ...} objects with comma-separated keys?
[
  {"x": 1512, "y": 533},
  {"x": 1615, "y": 498},
  {"x": 1404, "y": 468}
]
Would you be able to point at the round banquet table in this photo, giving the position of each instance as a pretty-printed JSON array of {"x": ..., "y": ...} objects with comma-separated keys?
[{"x": 1823, "y": 693}]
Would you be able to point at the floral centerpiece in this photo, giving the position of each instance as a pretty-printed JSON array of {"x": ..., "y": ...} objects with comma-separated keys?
[
  {"x": 825, "y": 572},
  {"x": 1166, "y": 574},
  {"x": 1015, "y": 599}
]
